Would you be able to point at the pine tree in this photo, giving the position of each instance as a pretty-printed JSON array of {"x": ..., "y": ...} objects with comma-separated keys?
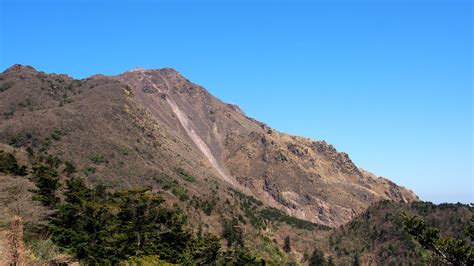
[
  {"x": 287, "y": 245},
  {"x": 317, "y": 258},
  {"x": 330, "y": 261},
  {"x": 233, "y": 233},
  {"x": 356, "y": 260},
  {"x": 47, "y": 183},
  {"x": 449, "y": 250}
]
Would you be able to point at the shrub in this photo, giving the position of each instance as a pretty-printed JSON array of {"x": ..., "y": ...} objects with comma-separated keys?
[
  {"x": 205, "y": 205},
  {"x": 180, "y": 192},
  {"x": 98, "y": 159},
  {"x": 187, "y": 177},
  {"x": 9, "y": 165},
  {"x": 89, "y": 170},
  {"x": 8, "y": 114},
  {"x": 20, "y": 139},
  {"x": 57, "y": 134},
  {"x": 69, "y": 168}
]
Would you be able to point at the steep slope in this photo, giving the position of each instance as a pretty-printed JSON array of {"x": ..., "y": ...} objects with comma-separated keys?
[
  {"x": 306, "y": 178},
  {"x": 156, "y": 128}
]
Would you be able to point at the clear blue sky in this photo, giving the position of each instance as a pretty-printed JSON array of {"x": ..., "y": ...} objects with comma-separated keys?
[{"x": 387, "y": 81}]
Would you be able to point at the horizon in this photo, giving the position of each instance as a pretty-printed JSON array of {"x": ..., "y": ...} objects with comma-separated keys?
[{"x": 397, "y": 85}]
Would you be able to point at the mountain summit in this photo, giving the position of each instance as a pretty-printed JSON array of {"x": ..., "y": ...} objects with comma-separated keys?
[{"x": 155, "y": 127}]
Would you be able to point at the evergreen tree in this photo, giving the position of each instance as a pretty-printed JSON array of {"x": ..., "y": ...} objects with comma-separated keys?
[
  {"x": 233, "y": 233},
  {"x": 47, "y": 183},
  {"x": 9, "y": 165},
  {"x": 456, "y": 251},
  {"x": 287, "y": 245},
  {"x": 139, "y": 211},
  {"x": 317, "y": 258},
  {"x": 203, "y": 250},
  {"x": 330, "y": 261},
  {"x": 356, "y": 260},
  {"x": 239, "y": 257},
  {"x": 69, "y": 168}
]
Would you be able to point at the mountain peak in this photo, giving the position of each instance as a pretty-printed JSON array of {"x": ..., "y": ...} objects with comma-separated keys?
[
  {"x": 137, "y": 69},
  {"x": 17, "y": 68},
  {"x": 152, "y": 70}
]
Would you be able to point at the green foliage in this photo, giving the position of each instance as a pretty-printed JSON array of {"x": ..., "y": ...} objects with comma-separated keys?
[
  {"x": 47, "y": 183},
  {"x": 233, "y": 233},
  {"x": 98, "y": 159},
  {"x": 6, "y": 85},
  {"x": 43, "y": 249},
  {"x": 469, "y": 227},
  {"x": 57, "y": 134},
  {"x": 89, "y": 170},
  {"x": 126, "y": 151},
  {"x": 330, "y": 261},
  {"x": 30, "y": 152},
  {"x": 203, "y": 251},
  {"x": 173, "y": 186},
  {"x": 258, "y": 215},
  {"x": 100, "y": 227},
  {"x": 446, "y": 249},
  {"x": 317, "y": 258},
  {"x": 207, "y": 206},
  {"x": 46, "y": 144},
  {"x": 425, "y": 235},
  {"x": 65, "y": 100},
  {"x": 287, "y": 245},
  {"x": 20, "y": 139},
  {"x": 187, "y": 177},
  {"x": 51, "y": 161},
  {"x": 149, "y": 260},
  {"x": 10, "y": 166},
  {"x": 8, "y": 114},
  {"x": 356, "y": 260},
  {"x": 272, "y": 214},
  {"x": 69, "y": 168},
  {"x": 180, "y": 192},
  {"x": 239, "y": 257}
]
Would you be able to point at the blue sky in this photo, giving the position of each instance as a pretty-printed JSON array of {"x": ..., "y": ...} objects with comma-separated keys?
[{"x": 389, "y": 82}]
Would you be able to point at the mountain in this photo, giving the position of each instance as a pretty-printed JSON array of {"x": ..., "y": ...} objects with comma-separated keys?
[
  {"x": 151, "y": 123},
  {"x": 156, "y": 129}
]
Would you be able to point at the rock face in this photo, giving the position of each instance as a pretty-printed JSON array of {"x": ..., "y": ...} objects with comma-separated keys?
[{"x": 187, "y": 127}]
